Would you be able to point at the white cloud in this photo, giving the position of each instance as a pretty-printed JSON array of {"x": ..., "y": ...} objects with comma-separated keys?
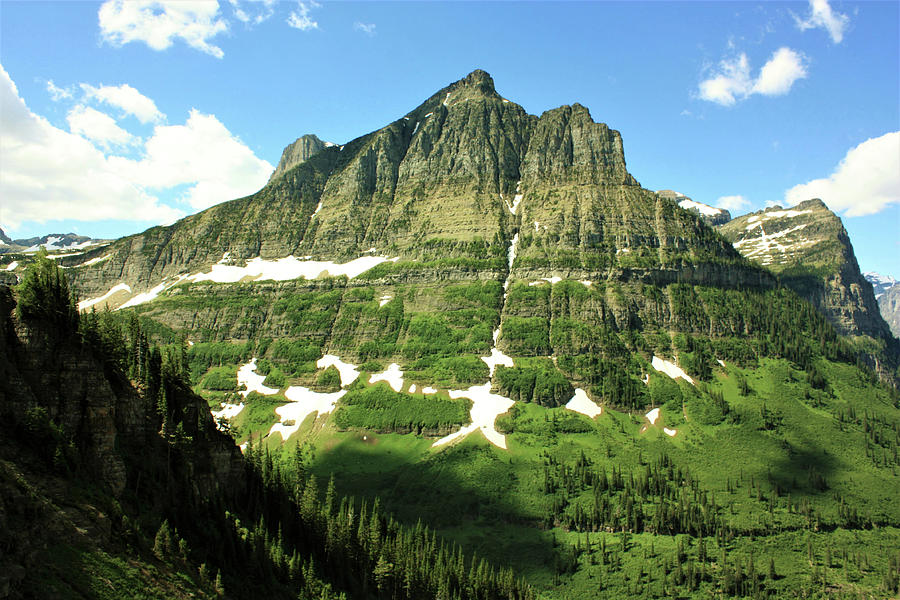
[
  {"x": 158, "y": 23},
  {"x": 821, "y": 15},
  {"x": 367, "y": 28},
  {"x": 730, "y": 84},
  {"x": 253, "y": 11},
  {"x": 201, "y": 153},
  {"x": 127, "y": 99},
  {"x": 732, "y": 203},
  {"x": 49, "y": 173},
  {"x": 865, "y": 182},
  {"x": 779, "y": 74},
  {"x": 733, "y": 81},
  {"x": 58, "y": 93},
  {"x": 299, "y": 18},
  {"x": 97, "y": 127}
]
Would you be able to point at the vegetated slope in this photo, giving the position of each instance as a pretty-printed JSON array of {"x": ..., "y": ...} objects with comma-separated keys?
[
  {"x": 809, "y": 249},
  {"x": 116, "y": 483}
]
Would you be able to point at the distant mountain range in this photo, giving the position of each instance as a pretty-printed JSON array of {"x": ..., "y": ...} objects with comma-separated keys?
[{"x": 52, "y": 242}]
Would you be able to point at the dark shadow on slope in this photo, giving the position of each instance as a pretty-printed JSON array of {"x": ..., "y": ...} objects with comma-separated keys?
[{"x": 466, "y": 493}]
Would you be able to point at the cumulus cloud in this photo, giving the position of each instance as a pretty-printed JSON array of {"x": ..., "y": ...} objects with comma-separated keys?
[
  {"x": 821, "y": 15},
  {"x": 733, "y": 81},
  {"x": 158, "y": 23},
  {"x": 97, "y": 127},
  {"x": 127, "y": 99},
  {"x": 865, "y": 182},
  {"x": 732, "y": 203},
  {"x": 201, "y": 153},
  {"x": 367, "y": 28},
  {"x": 49, "y": 173},
  {"x": 779, "y": 74},
  {"x": 300, "y": 19}
]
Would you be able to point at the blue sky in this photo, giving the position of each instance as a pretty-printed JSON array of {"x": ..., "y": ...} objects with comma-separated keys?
[{"x": 121, "y": 115}]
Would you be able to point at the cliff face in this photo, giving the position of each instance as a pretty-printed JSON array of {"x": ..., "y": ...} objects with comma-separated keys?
[
  {"x": 808, "y": 247},
  {"x": 889, "y": 305}
]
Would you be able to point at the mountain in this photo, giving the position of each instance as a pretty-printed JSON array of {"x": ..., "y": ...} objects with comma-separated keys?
[
  {"x": 712, "y": 215},
  {"x": 476, "y": 320},
  {"x": 809, "y": 249},
  {"x": 52, "y": 242},
  {"x": 880, "y": 283}
]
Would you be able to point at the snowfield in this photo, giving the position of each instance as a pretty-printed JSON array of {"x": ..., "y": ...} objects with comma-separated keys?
[
  {"x": 121, "y": 287},
  {"x": 248, "y": 377},
  {"x": 486, "y": 407},
  {"x": 580, "y": 403},
  {"x": 669, "y": 432},
  {"x": 652, "y": 416},
  {"x": 392, "y": 375},
  {"x": 670, "y": 369},
  {"x": 303, "y": 403},
  {"x": 289, "y": 267}
]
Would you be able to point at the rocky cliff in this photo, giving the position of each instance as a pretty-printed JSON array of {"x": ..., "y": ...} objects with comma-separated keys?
[{"x": 889, "y": 305}]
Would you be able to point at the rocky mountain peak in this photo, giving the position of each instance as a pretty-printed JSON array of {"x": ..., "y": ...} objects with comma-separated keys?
[
  {"x": 480, "y": 80},
  {"x": 298, "y": 152}
]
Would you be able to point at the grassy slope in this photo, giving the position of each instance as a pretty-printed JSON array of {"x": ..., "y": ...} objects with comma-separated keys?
[{"x": 491, "y": 500}]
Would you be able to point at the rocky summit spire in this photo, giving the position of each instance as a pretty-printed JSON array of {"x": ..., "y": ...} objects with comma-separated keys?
[{"x": 297, "y": 152}]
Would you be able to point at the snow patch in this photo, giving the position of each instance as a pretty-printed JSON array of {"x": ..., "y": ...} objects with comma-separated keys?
[
  {"x": 447, "y": 99},
  {"x": 348, "y": 372},
  {"x": 228, "y": 412},
  {"x": 384, "y": 299},
  {"x": 152, "y": 294},
  {"x": 304, "y": 402},
  {"x": 429, "y": 390},
  {"x": 289, "y": 267},
  {"x": 652, "y": 416},
  {"x": 704, "y": 209},
  {"x": 721, "y": 362},
  {"x": 393, "y": 375},
  {"x": 585, "y": 282},
  {"x": 318, "y": 208},
  {"x": 670, "y": 369},
  {"x": 496, "y": 358},
  {"x": 580, "y": 403},
  {"x": 121, "y": 287},
  {"x": 669, "y": 432},
  {"x": 486, "y": 407},
  {"x": 247, "y": 376},
  {"x": 412, "y": 389},
  {"x": 94, "y": 261},
  {"x": 428, "y": 115},
  {"x": 11, "y": 266}
]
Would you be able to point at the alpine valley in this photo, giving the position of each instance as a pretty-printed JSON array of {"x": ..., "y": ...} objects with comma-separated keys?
[{"x": 466, "y": 355}]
